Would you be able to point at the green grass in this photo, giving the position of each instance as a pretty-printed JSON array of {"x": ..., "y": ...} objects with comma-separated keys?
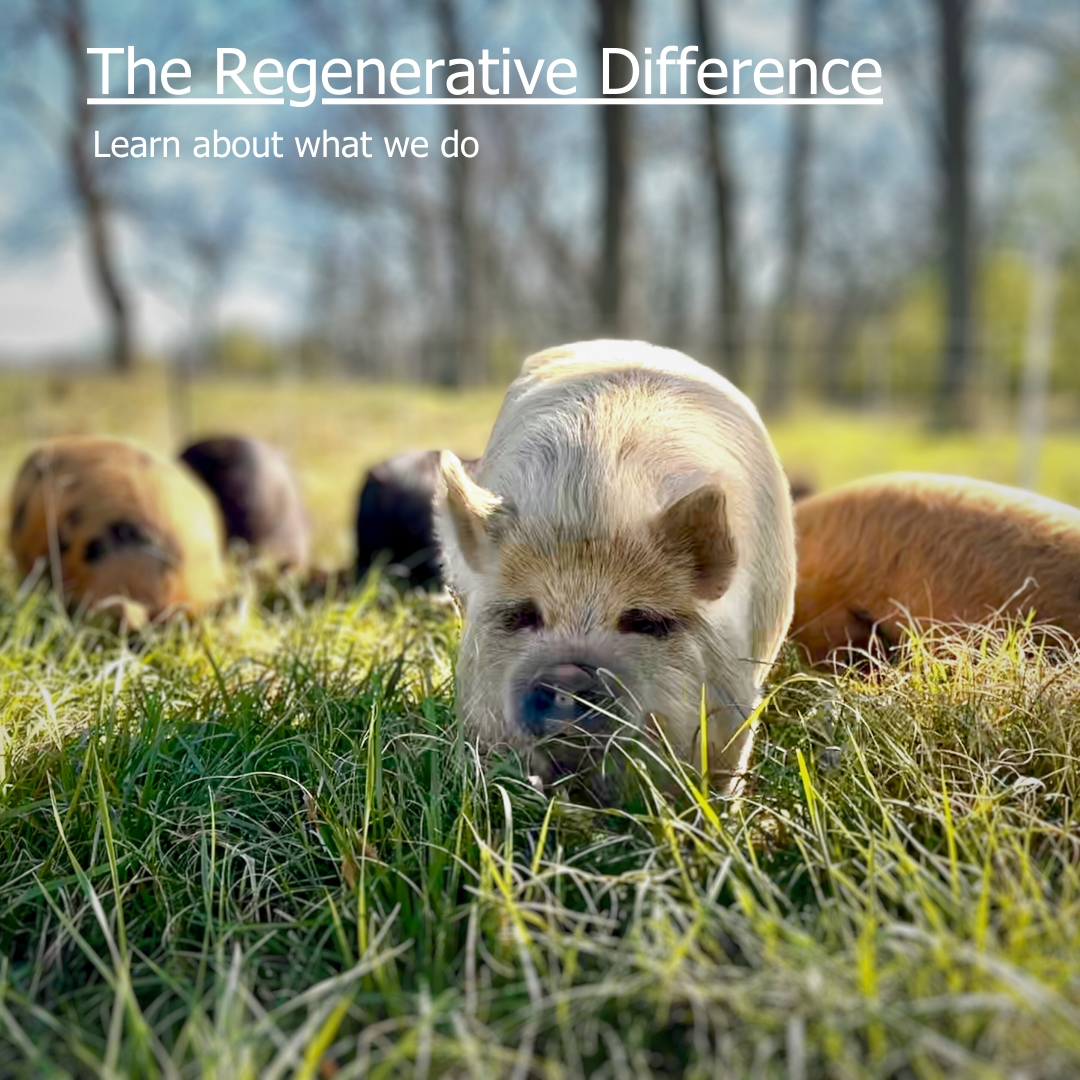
[
  {"x": 334, "y": 430},
  {"x": 262, "y": 848}
]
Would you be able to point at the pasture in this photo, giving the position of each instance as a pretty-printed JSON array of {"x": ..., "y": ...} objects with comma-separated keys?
[{"x": 261, "y": 847}]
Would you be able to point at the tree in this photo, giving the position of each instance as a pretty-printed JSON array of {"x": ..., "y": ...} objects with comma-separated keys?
[
  {"x": 779, "y": 360},
  {"x": 615, "y": 32},
  {"x": 66, "y": 22},
  {"x": 728, "y": 309},
  {"x": 465, "y": 362},
  {"x": 956, "y": 216}
]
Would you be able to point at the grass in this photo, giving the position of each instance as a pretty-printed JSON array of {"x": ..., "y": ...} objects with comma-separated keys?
[
  {"x": 334, "y": 431},
  {"x": 261, "y": 847}
]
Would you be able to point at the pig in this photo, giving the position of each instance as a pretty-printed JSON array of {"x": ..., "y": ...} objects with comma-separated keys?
[
  {"x": 117, "y": 530},
  {"x": 882, "y": 553},
  {"x": 624, "y": 546},
  {"x": 258, "y": 495},
  {"x": 395, "y": 519}
]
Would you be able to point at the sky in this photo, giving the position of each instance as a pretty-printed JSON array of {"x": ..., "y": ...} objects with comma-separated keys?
[{"x": 273, "y": 228}]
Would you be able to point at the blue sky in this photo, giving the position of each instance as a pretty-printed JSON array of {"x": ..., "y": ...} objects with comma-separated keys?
[{"x": 874, "y": 163}]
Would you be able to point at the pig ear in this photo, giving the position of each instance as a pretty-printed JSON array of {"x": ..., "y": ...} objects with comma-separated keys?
[
  {"x": 471, "y": 509},
  {"x": 695, "y": 531}
]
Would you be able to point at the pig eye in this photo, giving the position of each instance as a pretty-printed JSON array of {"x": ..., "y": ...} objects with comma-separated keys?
[
  {"x": 523, "y": 616},
  {"x": 650, "y": 623}
]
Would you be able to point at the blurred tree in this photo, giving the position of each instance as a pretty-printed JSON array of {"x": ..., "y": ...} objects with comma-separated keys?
[
  {"x": 778, "y": 370},
  {"x": 65, "y": 21},
  {"x": 552, "y": 293},
  {"x": 673, "y": 285},
  {"x": 464, "y": 361},
  {"x": 1038, "y": 351},
  {"x": 951, "y": 406},
  {"x": 615, "y": 32},
  {"x": 727, "y": 312}
]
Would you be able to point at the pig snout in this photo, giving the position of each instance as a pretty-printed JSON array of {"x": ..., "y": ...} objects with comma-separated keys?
[{"x": 564, "y": 698}]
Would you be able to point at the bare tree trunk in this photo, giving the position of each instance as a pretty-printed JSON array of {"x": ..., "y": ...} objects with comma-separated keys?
[
  {"x": 68, "y": 24},
  {"x": 616, "y": 32},
  {"x": 778, "y": 371},
  {"x": 674, "y": 289},
  {"x": 1038, "y": 355},
  {"x": 463, "y": 361},
  {"x": 193, "y": 355},
  {"x": 836, "y": 347},
  {"x": 951, "y": 404},
  {"x": 728, "y": 314}
]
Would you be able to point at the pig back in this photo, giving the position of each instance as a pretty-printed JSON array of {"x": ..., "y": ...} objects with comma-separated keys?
[
  {"x": 604, "y": 436},
  {"x": 609, "y": 433}
]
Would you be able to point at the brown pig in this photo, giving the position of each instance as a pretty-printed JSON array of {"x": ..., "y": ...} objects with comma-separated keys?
[
  {"x": 624, "y": 543},
  {"x": 876, "y": 555},
  {"x": 114, "y": 527}
]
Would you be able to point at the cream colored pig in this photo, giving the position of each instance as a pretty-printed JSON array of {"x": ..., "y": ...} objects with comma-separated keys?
[{"x": 625, "y": 541}]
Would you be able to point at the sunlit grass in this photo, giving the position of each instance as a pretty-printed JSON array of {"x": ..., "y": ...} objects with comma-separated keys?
[
  {"x": 335, "y": 430},
  {"x": 830, "y": 447},
  {"x": 262, "y": 848}
]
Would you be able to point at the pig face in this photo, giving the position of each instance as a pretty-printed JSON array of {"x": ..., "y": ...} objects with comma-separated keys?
[
  {"x": 116, "y": 529},
  {"x": 574, "y": 638}
]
